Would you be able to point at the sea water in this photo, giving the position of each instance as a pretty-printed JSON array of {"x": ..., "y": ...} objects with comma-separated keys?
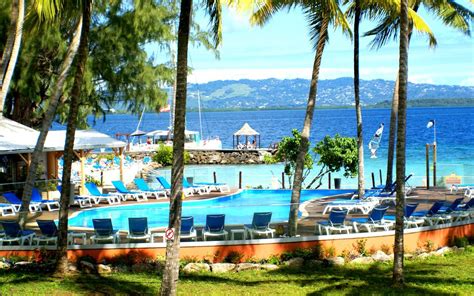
[{"x": 454, "y": 138}]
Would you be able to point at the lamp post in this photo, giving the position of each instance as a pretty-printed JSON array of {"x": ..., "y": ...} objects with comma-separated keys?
[{"x": 432, "y": 124}]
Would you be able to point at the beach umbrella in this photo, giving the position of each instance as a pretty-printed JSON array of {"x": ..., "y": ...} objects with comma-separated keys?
[{"x": 137, "y": 133}]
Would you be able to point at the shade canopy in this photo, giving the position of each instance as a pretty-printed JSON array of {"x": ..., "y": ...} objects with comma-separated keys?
[
  {"x": 246, "y": 130},
  {"x": 137, "y": 133},
  {"x": 17, "y": 138}
]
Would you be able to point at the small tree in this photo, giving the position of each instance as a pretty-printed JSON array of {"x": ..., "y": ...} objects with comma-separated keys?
[
  {"x": 287, "y": 153},
  {"x": 335, "y": 154},
  {"x": 164, "y": 155}
]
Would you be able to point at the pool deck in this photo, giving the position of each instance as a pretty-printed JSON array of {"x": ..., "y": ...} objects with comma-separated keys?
[{"x": 306, "y": 225}]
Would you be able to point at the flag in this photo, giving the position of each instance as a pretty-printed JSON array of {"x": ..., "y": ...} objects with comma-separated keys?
[{"x": 430, "y": 124}]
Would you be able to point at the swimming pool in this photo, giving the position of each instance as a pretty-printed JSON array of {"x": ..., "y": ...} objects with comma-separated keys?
[{"x": 238, "y": 208}]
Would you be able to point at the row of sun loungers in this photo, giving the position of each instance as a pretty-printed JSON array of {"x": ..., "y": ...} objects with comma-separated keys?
[
  {"x": 95, "y": 196},
  {"x": 437, "y": 214},
  {"x": 138, "y": 230}
]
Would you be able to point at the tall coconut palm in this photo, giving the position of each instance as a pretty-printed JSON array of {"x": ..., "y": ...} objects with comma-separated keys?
[
  {"x": 12, "y": 49},
  {"x": 213, "y": 8},
  {"x": 81, "y": 59},
  {"x": 320, "y": 14},
  {"x": 373, "y": 9},
  {"x": 48, "y": 118},
  {"x": 398, "y": 278},
  {"x": 451, "y": 13},
  {"x": 360, "y": 139}
]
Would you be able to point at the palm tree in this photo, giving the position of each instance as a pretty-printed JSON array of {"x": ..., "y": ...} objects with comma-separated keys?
[
  {"x": 48, "y": 118},
  {"x": 171, "y": 270},
  {"x": 321, "y": 15},
  {"x": 12, "y": 49},
  {"x": 401, "y": 137},
  {"x": 62, "y": 266},
  {"x": 360, "y": 139},
  {"x": 451, "y": 13}
]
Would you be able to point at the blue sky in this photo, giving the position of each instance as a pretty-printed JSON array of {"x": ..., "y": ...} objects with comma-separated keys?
[{"x": 281, "y": 49}]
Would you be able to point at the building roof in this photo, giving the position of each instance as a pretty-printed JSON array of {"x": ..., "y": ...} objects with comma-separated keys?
[
  {"x": 246, "y": 130},
  {"x": 17, "y": 138},
  {"x": 84, "y": 140}
]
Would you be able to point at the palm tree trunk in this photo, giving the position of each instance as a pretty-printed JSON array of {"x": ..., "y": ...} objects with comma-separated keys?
[
  {"x": 7, "y": 50},
  {"x": 18, "y": 9},
  {"x": 360, "y": 139},
  {"x": 47, "y": 120},
  {"x": 313, "y": 89},
  {"x": 391, "y": 136},
  {"x": 171, "y": 272},
  {"x": 62, "y": 265},
  {"x": 393, "y": 115},
  {"x": 398, "y": 278}
]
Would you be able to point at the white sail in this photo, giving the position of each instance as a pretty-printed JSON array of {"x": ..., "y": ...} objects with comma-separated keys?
[{"x": 374, "y": 143}]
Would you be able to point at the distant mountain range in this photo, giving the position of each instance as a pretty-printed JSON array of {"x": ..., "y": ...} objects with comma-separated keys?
[{"x": 293, "y": 93}]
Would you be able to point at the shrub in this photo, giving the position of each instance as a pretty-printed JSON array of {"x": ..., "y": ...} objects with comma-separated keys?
[
  {"x": 234, "y": 257},
  {"x": 164, "y": 155},
  {"x": 430, "y": 246},
  {"x": 386, "y": 249},
  {"x": 360, "y": 247},
  {"x": 330, "y": 252},
  {"x": 461, "y": 242}
]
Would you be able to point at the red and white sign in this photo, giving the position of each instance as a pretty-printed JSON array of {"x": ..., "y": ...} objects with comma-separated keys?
[{"x": 169, "y": 234}]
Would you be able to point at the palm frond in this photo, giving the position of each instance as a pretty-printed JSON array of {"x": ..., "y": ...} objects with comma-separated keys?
[
  {"x": 214, "y": 9},
  {"x": 452, "y": 14},
  {"x": 422, "y": 27}
]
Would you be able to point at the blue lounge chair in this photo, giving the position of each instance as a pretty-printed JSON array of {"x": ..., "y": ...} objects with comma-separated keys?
[
  {"x": 16, "y": 202},
  {"x": 408, "y": 219},
  {"x": 167, "y": 186},
  {"x": 214, "y": 226},
  {"x": 202, "y": 189},
  {"x": 220, "y": 187},
  {"x": 82, "y": 201},
  {"x": 452, "y": 207},
  {"x": 463, "y": 212},
  {"x": 374, "y": 221},
  {"x": 138, "y": 229},
  {"x": 187, "y": 228},
  {"x": 122, "y": 189},
  {"x": 334, "y": 223},
  {"x": 52, "y": 205},
  {"x": 49, "y": 232},
  {"x": 103, "y": 231},
  {"x": 142, "y": 185},
  {"x": 365, "y": 205},
  {"x": 13, "y": 233},
  {"x": 7, "y": 209},
  {"x": 432, "y": 216},
  {"x": 99, "y": 196},
  {"x": 260, "y": 225}
]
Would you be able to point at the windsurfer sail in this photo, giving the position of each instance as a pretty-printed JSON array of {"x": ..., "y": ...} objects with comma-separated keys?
[{"x": 374, "y": 143}]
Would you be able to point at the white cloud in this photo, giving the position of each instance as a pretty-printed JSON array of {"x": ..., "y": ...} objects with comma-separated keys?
[
  {"x": 468, "y": 81},
  {"x": 421, "y": 78}
]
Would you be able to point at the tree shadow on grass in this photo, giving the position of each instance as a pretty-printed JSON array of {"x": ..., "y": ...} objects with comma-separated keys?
[
  {"x": 91, "y": 284},
  {"x": 351, "y": 280}
]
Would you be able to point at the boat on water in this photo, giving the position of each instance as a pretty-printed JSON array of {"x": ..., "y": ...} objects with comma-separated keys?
[{"x": 193, "y": 141}]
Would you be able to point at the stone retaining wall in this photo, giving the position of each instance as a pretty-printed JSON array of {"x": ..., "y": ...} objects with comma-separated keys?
[{"x": 227, "y": 156}]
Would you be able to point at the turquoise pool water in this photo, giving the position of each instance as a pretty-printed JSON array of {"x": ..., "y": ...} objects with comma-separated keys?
[{"x": 238, "y": 208}]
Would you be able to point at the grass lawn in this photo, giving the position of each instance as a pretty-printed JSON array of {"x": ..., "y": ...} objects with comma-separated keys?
[{"x": 452, "y": 274}]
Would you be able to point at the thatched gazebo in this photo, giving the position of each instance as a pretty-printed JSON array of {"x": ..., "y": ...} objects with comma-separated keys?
[{"x": 246, "y": 131}]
